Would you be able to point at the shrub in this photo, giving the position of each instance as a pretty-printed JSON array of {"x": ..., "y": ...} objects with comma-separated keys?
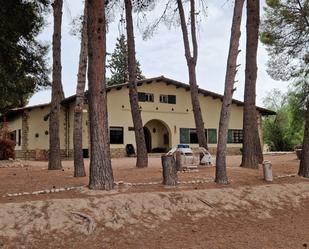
[{"x": 7, "y": 149}]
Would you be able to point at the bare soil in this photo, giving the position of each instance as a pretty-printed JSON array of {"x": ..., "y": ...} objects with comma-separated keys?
[{"x": 247, "y": 213}]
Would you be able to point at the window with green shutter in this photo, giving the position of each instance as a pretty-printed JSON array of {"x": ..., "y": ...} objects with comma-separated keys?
[
  {"x": 141, "y": 97},
  {"x": 230, "y": 136},
  {"x": 212, "y": 136},
  {"x": 172, "y": 99},
  {"x": 184, "y": 135}
]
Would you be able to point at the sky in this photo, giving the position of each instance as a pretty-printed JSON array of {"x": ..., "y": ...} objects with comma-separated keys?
[{"x": 163, "y": 54}]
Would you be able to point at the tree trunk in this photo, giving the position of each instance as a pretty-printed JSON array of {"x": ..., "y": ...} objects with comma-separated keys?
[
  {"x": 191, "y": 62},
  {"x": 54, "y": 162},
  {"x": 251, "y": 151},
  {"x": 169, "y": 170},
  {"x": 231, "y": 70},
  {"x": 304, "y": 162},
  {"x": 141, "y": 149},
  {"x": 101, "y": 174},
  {"x": 79, "y": 168}
]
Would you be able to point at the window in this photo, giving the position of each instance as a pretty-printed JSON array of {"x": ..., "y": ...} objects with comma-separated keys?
[
  {"x": 163, "y": 98},
  {"x": 172, "y": 99},
  {"x": 149, "y": 97},
  {"x": 13, "y": 136},
  {"x": 145, "y": 97},
  {"x": 189, "y": 136},
  {"x": 19, "y": 137},
  {"x": 193, "y": 136},
  {"x": 169, "y": 99},
  {"x": 235, "y": 136},
  {"x": 212, "y": 136},
  {"x": 116, "y": 135}
]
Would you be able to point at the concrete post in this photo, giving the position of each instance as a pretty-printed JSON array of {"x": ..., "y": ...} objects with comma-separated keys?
[{"x": 267, "y": 171}]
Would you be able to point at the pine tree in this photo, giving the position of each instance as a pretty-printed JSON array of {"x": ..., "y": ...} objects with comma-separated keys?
[
  {"x": 191, "y": 59},
  {"x": 101, "y": 173},
  {"x": 23, "y": 64},
  {"x": 231, "y": 70},
  {"x": 285, "y": 33},
  {"x": 141, "y": 150},
  {"x": 54, "y": 162},
  {"x": 118, "y": 63}
]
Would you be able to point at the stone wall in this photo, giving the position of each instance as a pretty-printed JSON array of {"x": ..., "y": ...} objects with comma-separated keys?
[
  {"x": 115, "y": 153},
  {"x": 230, "y": 151},
  {"x": 118, "y": 152},
  {"x": 24, "y": 134},
  {"x": 41, "y": 155}
]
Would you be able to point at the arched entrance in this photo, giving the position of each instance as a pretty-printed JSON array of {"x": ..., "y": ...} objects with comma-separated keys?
[{"x": 157, "y": 136}]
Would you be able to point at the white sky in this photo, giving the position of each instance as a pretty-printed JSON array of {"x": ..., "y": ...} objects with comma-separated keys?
[{"x": 164, "y": 53}]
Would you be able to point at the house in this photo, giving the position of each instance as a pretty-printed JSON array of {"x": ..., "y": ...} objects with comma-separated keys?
[{"x": 166, "y": 111}]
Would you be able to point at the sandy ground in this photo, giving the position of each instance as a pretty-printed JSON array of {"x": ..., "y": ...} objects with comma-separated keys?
[{"x": 247, "y": 213}]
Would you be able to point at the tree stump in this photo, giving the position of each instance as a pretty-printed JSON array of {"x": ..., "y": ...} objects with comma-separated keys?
[{"x": 169, "y": 170}]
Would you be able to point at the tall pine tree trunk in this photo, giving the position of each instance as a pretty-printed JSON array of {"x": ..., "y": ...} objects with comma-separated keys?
[
  {"x": 304, "y": 162},
  {"x": 191, "y": 62},
  {"x": 79, "y": 168},
  {"x": 101, "y": 174},
  {"x": 251, "y": 151},
  {"x": 141, "y": 149},
  {"x": 54, "y": 162},
  {"x": 231, "y": 69}
]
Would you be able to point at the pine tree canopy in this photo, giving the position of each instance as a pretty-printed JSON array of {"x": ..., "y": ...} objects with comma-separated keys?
[
  {"x": 23, "y": 69},
  {"x": 118, "y": 64},
  {"x": 285, "y": 32}
]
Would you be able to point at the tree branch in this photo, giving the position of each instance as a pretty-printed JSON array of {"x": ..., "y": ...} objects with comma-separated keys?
[
  {"x": 184, "y": 30},
  {"x": 193, "y": 31}
]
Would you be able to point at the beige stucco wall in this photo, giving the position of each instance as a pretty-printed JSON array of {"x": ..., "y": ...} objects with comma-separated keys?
[
  {"x": 85, "y": 126},
  {"x": 37, "y": 125},
  {"x": 173, "y": 116},
  {"x": 15, "y": 124}
]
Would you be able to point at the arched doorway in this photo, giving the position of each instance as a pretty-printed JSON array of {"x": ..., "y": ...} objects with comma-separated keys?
[{"x": 157, "y": 136}]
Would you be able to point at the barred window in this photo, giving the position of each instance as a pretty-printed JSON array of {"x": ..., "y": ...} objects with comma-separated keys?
[{"x": 235, "y": 136}]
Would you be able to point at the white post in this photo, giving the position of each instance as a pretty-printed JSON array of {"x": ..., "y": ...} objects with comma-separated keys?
[{"x": 267, "y": 170}]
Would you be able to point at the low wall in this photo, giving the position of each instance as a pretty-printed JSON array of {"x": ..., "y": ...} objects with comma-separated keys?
[{"x": 42, "y": 155}]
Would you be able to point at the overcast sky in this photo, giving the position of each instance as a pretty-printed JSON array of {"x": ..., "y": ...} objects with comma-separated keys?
[{"x": 164, "y": 53}]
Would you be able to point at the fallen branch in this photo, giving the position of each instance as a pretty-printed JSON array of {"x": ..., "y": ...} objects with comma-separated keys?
[{"x": 205, "y": 202}]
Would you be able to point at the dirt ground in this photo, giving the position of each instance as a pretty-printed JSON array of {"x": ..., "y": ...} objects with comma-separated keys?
[{"x": 142, "y": 213}]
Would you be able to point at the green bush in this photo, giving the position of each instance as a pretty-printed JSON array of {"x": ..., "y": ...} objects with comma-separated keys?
[{"x": 7, "y": 149}]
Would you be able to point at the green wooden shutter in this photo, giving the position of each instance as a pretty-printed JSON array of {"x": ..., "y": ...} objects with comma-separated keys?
[
  {"x": 141, "y": 97},
  {"x": 172, "y": 99},
  {"x": 230, "y": 136},
  {"x": 212, "y": 136},
  {"x": 184, "y": 136}
]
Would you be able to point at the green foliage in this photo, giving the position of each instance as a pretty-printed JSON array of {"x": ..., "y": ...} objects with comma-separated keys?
[
  {"x": 7, "y": 145},
  {"x": 7, "y": 149},
  {"x": 118, "y": 64},
  {"x": 285, "y": 130},
  {"x": 285, "y": 32},
  {"x": 23, "y": 68}
]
